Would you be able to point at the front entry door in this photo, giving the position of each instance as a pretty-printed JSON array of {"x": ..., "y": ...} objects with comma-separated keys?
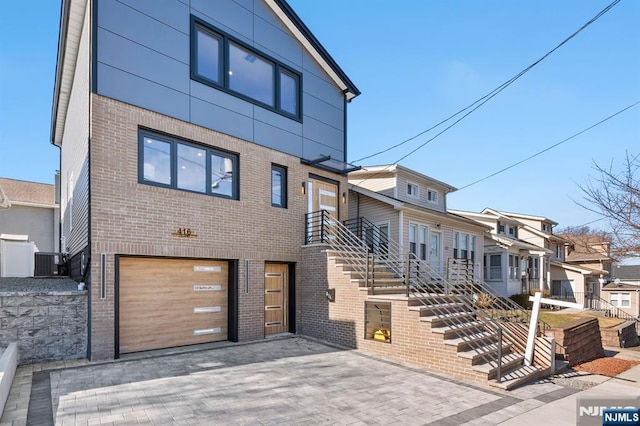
[
  {"x": 435, "y": 254},
  {"x": 276, "y": 289},
  {"x": 322, "y": 196}
]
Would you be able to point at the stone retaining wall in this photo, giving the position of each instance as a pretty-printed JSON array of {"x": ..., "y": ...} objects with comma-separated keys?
[
  {"x": 578, "y": 341},
  {"x": 621, "y": 336},
  {"x": 48, "y": 326}
]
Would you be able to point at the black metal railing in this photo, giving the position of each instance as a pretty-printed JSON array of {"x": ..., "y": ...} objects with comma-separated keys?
[{"x": 420, "y": 279}]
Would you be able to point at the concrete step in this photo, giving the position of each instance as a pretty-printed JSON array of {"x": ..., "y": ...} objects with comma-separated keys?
[
  {"x": 518, "y": 376},
  {"x": 398, "y": 290},
  {"x": 463, "y": 343},
  {"x": 421, "y": 299},
  {"x": 484, "y": 353},
  {"x": 457, "y": 330},
  {"x": 378, "y": 282},
  {"x": 437, "y": 308},
  {"x": 449, "y": 319},
  {"x": 490, "y": 368}
]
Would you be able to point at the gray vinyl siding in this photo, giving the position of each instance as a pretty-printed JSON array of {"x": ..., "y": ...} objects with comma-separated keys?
[
  {"x": 375, "y": 211},
  {"x": 36, "y": 222},
  {"x": 74, "y": 155},
  {"x": 382, "y": 185},
  {"x": 423, "y": 187},
  {"x": 143, "y": 59}
]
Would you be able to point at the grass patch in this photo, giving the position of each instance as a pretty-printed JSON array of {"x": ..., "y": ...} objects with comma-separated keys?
[{"x": 555, "y": 319}]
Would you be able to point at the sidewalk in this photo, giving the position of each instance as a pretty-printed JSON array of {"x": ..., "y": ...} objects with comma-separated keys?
[{"x": 626, "y": 384}]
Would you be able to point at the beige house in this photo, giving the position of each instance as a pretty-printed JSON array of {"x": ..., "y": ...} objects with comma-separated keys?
[
  {"x": 625, "y": 297},
  {"x": 586, "y": 268},
  {"x": 411, "y": 209},
  {"x": 513, "y": 264}
]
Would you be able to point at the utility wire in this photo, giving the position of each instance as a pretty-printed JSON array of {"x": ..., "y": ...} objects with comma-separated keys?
[
  {"x": 551, "y": 147},
  {"x": 489, "y": 95}
]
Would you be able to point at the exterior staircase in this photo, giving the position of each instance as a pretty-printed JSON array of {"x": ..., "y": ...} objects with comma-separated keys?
[{"x": 487, "y": 341}]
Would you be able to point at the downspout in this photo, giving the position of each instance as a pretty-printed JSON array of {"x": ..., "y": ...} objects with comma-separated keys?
[{"x": 401, "y": 231}]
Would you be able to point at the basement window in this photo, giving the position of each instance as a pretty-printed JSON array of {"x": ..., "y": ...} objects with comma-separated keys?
[{"x": 377, "y": 321}]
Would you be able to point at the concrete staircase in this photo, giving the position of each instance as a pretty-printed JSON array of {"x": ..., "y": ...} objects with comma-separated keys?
[{"x": 457, "y": 325}]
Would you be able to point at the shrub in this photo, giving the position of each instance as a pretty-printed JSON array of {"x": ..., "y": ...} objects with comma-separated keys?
[
  {"x": 484, "y": 300},
  {"x": 545, "y": 293},
  {"x": 522, "y": 300}
]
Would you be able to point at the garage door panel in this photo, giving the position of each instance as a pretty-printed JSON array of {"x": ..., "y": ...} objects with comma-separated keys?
[{"x": 157, "y": 298}]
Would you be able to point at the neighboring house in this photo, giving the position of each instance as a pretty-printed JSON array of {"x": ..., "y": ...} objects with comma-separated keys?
[
  {"x": 410, "y": 209},
  {"x": 194, "y": 137},
  {"x": 591, "y": 254},
  {"x": 624, "y": 291},
  {"x": 513, "y": 264},
  {"x": 623, "y": 296},
  {"x": 628, "y": 274},
  {"x": 30, "y": 208}
]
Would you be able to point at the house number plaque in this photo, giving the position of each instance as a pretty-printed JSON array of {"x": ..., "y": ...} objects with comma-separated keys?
[{"x": 184, "y": 233}]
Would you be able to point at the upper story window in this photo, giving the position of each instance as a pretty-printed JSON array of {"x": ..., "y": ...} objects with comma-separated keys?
[
  {"x": 412, "y": 190},
  {"x": 546, "y": 227},
  {"x": 560, "y": 252},
  {"x": 173, "y": 163},
  {"x": 225, "y": 63},
  {"x": 278, "y": 186},
  {"x": 500, "y": 228},
  {"x": 432, "y": 196}
]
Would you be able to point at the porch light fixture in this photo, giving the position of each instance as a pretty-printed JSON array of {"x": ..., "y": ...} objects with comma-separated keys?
[
  {"x": 303, "y": 188},
  {"x": 344, "y": 198}
]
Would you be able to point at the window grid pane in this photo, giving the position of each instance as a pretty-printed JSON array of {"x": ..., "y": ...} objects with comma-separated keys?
[
  {"x": 157, "y": 161},
  {"x": 192, "y": 168},
  {"x": 250, "y": 75},
  {"x": 208, "y": 51},
  {"x": 288, "y": 93},
  {"x": 222, "y": 175}
]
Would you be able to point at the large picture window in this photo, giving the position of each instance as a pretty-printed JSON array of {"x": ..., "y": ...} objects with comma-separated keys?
[
  {"x": 173, "y": 163},
  {"x": 221, "y": 61}
]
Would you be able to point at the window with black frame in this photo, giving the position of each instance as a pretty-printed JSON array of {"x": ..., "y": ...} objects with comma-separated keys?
[
  {"x": 278, "y": 186},
  {"x": 223, "y": 62},
  {"x": 173, "y": 163}
]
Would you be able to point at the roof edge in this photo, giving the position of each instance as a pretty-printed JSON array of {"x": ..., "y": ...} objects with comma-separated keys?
[{"x": 350, "y": 90}]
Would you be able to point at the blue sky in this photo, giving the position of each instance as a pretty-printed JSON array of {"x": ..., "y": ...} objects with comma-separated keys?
[{"x": 416, "y": 63}]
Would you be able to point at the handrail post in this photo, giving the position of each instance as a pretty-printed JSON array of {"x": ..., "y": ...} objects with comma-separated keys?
[
  {"x": 499, "y": 366},
  {"x": 322, "y": 219}
]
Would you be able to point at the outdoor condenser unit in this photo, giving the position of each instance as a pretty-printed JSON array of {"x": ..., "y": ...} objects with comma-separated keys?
[{"x": 46, "y": 264}]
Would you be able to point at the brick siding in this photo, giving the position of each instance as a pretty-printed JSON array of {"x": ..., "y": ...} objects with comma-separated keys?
[{"x": 130, "y": 218}]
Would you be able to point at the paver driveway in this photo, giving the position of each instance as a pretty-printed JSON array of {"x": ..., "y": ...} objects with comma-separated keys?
[{"x": 283, "y": 381}]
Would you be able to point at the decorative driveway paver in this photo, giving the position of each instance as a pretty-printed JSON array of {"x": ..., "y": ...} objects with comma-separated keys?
[{"x": 284, "y": 381}]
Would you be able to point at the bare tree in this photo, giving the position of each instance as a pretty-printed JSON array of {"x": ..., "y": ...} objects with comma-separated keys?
[{"x": 615, "y": 195}]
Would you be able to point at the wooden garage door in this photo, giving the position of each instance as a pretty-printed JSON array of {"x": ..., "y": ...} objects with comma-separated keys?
[{"x": 165, "y": 303}]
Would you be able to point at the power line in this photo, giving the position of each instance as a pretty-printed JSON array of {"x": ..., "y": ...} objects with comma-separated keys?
[
  {"x": 550, "y": 147},
  {"x": 481, "y": 101}
]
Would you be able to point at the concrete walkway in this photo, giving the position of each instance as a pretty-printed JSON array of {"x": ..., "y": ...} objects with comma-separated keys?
[{"x": 284, "y": 381}]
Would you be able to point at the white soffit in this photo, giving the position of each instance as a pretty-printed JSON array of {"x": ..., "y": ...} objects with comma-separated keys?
[{"x": 67, "y": 57}]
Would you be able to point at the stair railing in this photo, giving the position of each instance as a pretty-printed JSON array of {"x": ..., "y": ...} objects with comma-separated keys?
[
  {"x": 612, "y": 311},
  {"x": 503, "y": 315},
  {"x": 366, "y": 248}
]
